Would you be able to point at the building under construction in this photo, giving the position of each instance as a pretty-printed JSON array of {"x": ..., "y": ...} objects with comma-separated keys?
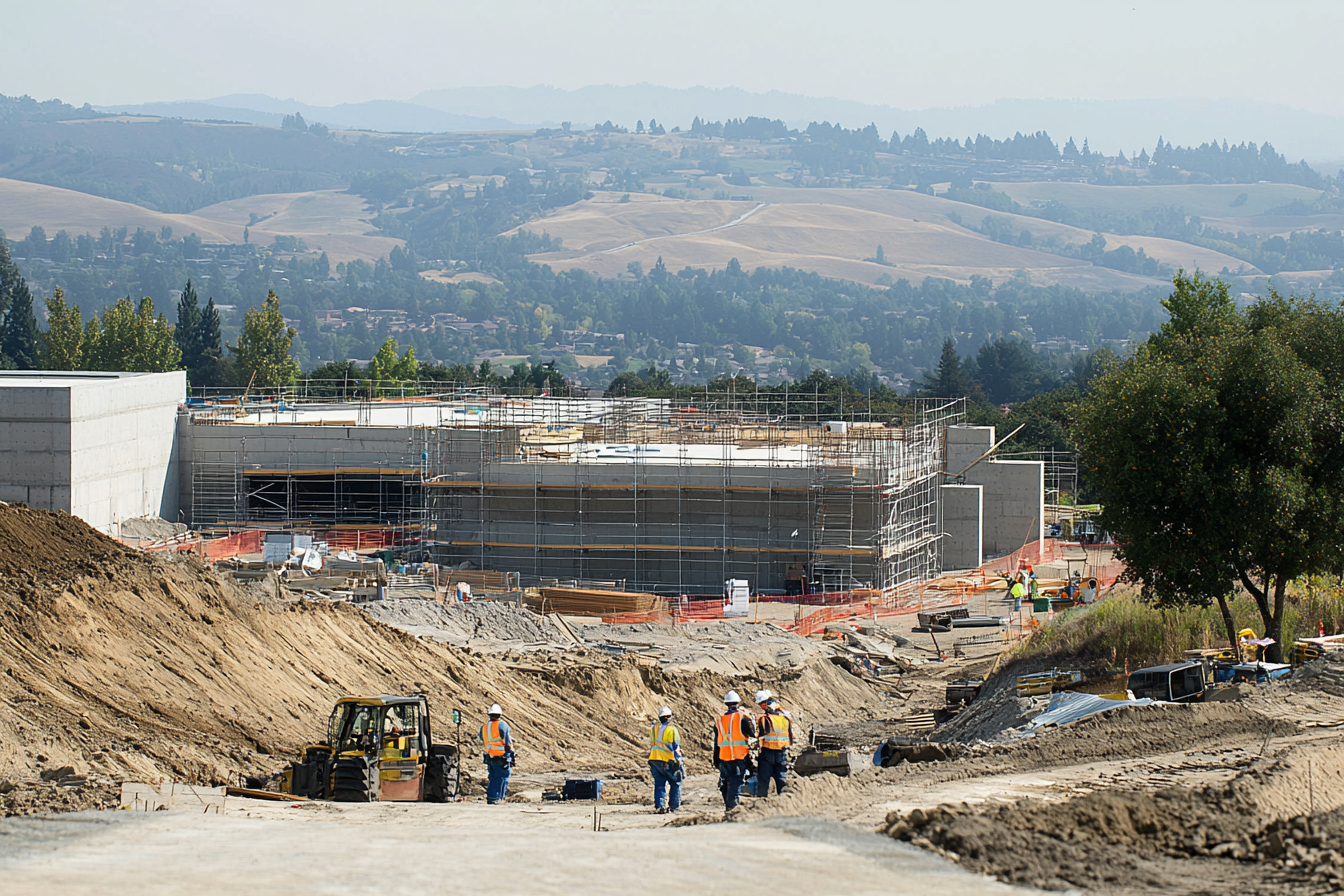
[{"x": 661, "y": 496}]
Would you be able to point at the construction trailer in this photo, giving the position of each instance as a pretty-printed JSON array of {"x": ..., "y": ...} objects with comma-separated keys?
[{"x": 666, "y": 497}]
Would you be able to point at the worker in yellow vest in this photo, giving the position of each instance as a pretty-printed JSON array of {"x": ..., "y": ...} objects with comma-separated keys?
[
  {"x": 732, "y": 742},
  {"x": 665, "y": 762},
  {"x": 775, "y": 730},
  {"x": 497, "y": 751}
]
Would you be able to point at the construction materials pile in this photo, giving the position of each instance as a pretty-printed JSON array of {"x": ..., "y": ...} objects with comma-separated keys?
[
  {"x": 594, "y": 602},
  {"x": 132, "y": 666}
]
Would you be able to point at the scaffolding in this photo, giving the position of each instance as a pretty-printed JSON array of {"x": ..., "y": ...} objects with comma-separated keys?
[
  {"x": 678, "y": 499},
  {"x": 787, "y": 490}
]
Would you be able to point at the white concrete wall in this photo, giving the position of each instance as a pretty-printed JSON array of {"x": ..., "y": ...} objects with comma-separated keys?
[
  {"x": 35, "y": 443},
  {"x": 123, "y": 437},
  {"x": 101, "y": 446},
  {"x": 962, "y": 526},
  {"x": 1014, "y": 503},
  {"x": 1014, "y": 490}
]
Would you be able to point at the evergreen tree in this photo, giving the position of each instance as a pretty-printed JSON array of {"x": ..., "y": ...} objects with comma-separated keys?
[
  {"x": 210, "y": 363},
  {"x": 951, "y": 379},
  {"x": 18, "y": 333},
  {"x": 187, "y": 332}
]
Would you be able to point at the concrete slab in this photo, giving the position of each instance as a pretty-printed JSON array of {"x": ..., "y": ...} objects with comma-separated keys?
[{"x": 456, "y": 848}]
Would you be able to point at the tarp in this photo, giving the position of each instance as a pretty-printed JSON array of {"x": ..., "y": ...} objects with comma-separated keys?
[{"x": 1068, "y": 707}]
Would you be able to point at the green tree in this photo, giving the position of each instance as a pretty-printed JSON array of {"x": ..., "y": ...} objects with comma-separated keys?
[
  {"x": 262, "y": 352},
  {"x": 383, "y": 368},
  {"x": 62, "y": 345},
  {"x": 950, "y": 379},
  {"x": 187, "y": 332},
  {"x": 211, "y": 366},
  {"x": 130, "y": 338},
  {"x": 18, "y": 332},
  {"x": 1217, "y": 452},
  {"x": 1010, "y": 371}
]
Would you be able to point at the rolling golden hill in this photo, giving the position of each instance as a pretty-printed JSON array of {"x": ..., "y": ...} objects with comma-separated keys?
[
  {"x": 835, "y": 233},
  {"x": 326, "y": 220}
]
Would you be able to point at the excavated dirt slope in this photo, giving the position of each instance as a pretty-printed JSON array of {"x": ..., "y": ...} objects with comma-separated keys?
[{"x": 125, "y": 665}]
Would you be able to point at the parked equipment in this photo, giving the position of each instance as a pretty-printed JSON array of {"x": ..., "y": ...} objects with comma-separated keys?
[
  {"x": 377, "y": 748},
  {"x": 1172, "y": 683}
]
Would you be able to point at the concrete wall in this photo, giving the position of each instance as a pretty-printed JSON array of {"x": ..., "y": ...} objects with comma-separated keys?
[
  {"x": 101, "y": 446},
  {"x": 35, "y": 441},
  {"x": 962, "y": 525},
  {"x": 1014, "y": 490}
]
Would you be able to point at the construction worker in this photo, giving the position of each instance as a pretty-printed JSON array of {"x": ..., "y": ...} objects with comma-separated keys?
[
  {"x": 775, "y": 729},
  {"x": 732, "y": 739},
  {"x": 665, "y": 762},
  {"x": 497, "y": 751}
]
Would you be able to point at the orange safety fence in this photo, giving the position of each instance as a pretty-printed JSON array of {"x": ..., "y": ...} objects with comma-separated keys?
[
  {"x": 816, "y": 622},
  {"x": 249, "y": 541},
  {"x": 1098, "y": 561}
]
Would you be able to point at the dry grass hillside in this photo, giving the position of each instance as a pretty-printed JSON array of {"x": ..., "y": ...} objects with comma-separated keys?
[
  {"x": 835, "y": 233},
  {"x": 327, "y": 220}
]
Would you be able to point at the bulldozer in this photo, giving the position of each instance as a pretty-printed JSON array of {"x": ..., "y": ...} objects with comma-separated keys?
[{"x": 377, "y": 748}]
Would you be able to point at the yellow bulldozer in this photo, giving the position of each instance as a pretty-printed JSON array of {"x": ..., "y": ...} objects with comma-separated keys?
[{"x": 377, "y": 748}]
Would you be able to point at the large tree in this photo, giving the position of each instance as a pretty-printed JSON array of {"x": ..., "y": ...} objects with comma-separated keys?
[
  {"x": 131, "y": 338},
  {"x": 950, "y": 379},
  {"x": 1217, "y": 450},
  {"x": 18, "y": 324},
  {"x": 187, "y": 331},
  {"x": 62, "y": 345},
  {"x": 262, "y": 352}
]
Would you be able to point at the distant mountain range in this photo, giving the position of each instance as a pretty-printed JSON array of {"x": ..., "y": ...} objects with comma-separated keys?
[{"x": 1109, "y": 125}]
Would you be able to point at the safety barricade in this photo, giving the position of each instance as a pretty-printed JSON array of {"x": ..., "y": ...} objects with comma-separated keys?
[{"x": 249, "y": 541}]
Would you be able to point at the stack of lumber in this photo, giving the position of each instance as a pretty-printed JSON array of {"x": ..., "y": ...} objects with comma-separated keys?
[{"x": 592, "y": 602}]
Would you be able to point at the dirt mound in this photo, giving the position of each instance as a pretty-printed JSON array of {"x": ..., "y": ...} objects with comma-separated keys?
[
  {"x": 1123, "y": 840},
  {"x": 130, "y": 666},
  {"x": 45, "y": 551},
  {"x": 460, "y": 624}
]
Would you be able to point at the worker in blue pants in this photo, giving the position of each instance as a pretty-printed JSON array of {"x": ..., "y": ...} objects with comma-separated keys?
[
  {"x": 775, "y": 733},
  {"x": 497, "y": 751}
]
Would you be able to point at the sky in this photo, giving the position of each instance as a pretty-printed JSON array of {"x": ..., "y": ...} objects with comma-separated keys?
[{"x": 907, "y": 55}]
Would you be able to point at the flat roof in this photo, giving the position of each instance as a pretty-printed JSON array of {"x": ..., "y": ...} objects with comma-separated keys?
[{"x": 30, "y": 378}]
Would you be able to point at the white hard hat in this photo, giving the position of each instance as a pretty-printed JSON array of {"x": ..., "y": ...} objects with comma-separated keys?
[
  {"x": 665, "y": 712},
  {"x": 763, "y": 695},
  {"x": 731, "y": 697},
  {"x": 494, "y": 710}
]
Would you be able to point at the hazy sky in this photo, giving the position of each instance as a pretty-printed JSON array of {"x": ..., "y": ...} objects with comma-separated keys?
[{"x": 909, "y": 55}]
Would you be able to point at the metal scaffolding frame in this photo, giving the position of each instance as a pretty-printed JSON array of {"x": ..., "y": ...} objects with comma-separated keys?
[{"x": 667, "y": 496}]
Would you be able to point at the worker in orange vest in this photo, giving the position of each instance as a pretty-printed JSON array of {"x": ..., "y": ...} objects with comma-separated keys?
[
  {"x": 497, "y": 751},
  {"x": 732, "y": 742},
  {"x": 775, "y": 729}
]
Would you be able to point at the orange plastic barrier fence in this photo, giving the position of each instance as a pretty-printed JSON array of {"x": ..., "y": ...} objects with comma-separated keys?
[{"x": 247, "y": 542}]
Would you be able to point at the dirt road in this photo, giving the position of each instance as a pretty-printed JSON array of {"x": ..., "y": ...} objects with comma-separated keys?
[{"x": 467, "y": 847}]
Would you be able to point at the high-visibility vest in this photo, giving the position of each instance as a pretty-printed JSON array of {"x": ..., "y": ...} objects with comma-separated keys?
[
  {"x": 775, "y": 731},
  {"x": 660, "y": 746},
  {"x": 732, "y": 742},
  {"x": 492, "y": 738}
]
